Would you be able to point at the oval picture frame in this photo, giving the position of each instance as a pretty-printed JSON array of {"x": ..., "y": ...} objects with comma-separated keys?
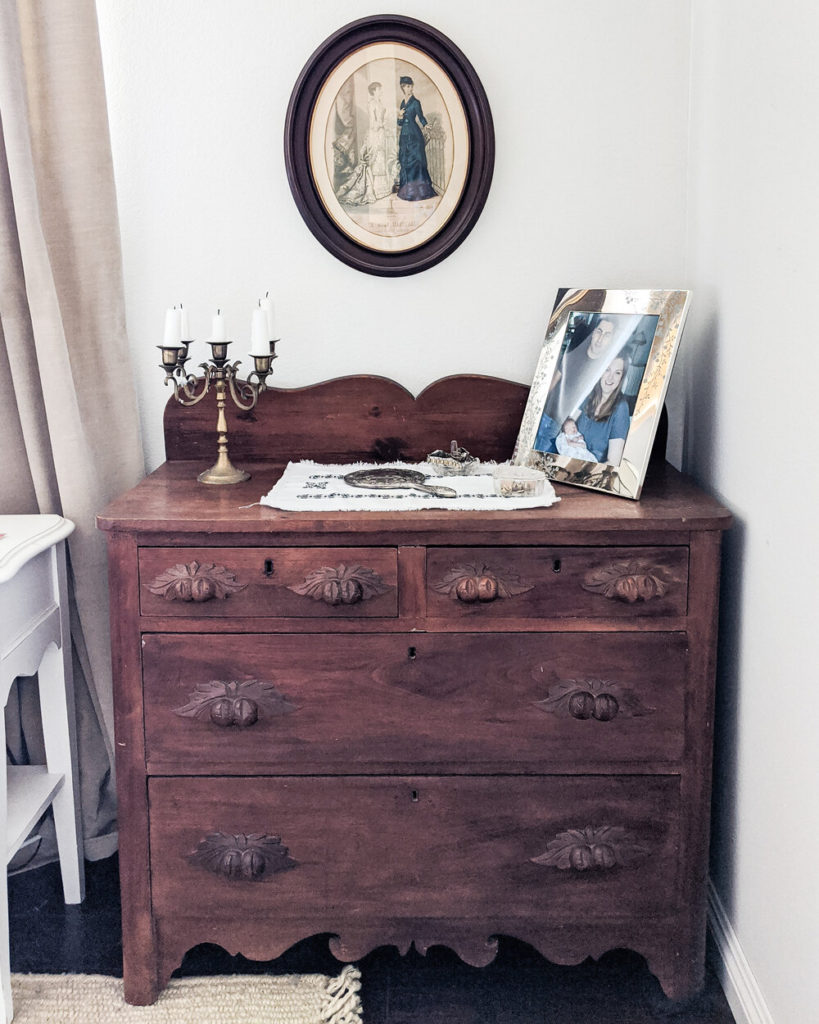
[{"x": 389, "y": 145}]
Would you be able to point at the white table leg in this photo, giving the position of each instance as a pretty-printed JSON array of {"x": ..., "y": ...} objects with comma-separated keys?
[{"x": 59, "y": 732}]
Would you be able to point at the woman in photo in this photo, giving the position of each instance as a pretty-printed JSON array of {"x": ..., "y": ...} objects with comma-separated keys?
[
  {"x": 602, "y": 425},
  {"x": 414, "y": 182}
]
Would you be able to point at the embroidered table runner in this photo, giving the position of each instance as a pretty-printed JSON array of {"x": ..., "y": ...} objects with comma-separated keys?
[{"x": 312, "y": 487}]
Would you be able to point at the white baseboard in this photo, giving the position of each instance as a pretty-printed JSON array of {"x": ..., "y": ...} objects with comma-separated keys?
[{"x": 738, "y": 982}]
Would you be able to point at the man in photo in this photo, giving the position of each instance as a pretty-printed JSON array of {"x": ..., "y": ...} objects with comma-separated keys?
[{"x": 578, "y": 371}]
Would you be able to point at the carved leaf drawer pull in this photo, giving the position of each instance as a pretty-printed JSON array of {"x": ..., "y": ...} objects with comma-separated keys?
[
  {"x": 633, "y": 580},
  {"x": 590, "y": 848},
  {"x": 254, "y": 857},
  {"x": 599, "y": 699},
  {"x": 234, "y": 702},
  {"x": 195, "y": 582},
  {"x": 470, "y": 583},
  {"x": 344, "y": 584}
]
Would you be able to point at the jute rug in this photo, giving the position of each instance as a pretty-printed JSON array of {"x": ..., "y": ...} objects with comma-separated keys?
[{"x": 224, "y": 999}]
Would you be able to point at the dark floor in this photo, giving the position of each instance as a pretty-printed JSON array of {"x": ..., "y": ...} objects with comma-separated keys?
[{"x": 519, "y": 987}]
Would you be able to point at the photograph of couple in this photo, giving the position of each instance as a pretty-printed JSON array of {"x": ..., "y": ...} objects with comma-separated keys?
[{"x": 591, "y": 397}]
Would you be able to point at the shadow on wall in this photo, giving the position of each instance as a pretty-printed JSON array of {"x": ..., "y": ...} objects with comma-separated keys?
[
  {"x": 699, "y": 460},
  {"x": 701, "y": 396},
  {"x": 726, "y": 718}
]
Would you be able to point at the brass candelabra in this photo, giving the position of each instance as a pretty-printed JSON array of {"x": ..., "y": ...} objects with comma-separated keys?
[{"x": 223, "y": 377}]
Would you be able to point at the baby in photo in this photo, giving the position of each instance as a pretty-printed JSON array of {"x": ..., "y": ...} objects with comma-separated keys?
[{"x": 570, "y": 442}]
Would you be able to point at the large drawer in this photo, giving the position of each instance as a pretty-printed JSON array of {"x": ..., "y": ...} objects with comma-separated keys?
[
  {"x": 557, "y": 848},
  {"x": 523, "y": 702},
  {"x": 280, "y": 582},
  {"x": 468, "y": 586}
]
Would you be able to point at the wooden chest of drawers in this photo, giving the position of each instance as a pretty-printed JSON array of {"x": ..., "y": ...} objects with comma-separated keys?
[{"x": 489, "y": 724}]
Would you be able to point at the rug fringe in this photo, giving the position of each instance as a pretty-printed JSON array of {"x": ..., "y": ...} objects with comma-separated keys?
[{"x": 343, "y": 1002}]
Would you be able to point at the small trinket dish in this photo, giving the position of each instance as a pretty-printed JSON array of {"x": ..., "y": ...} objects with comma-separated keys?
[
  {"x": 456, "y": 462},
  {"x": 518, "y": 481}
]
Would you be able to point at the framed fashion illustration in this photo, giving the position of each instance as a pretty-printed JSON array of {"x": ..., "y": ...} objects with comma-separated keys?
[
  {"x": 389, "y": 145},
  {"x": 599, "y": 386}
]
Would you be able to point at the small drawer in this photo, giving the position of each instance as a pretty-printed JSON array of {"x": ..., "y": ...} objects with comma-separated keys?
[
  {"x": 419, "y": 846},
  {"x": 461, "y": 702},
  {"x": 272, "y": 582},
  {"x": 539, "y": 583}
]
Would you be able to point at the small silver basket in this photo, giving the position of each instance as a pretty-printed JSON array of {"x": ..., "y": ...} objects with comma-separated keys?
[{"x": 456, "y": 462}]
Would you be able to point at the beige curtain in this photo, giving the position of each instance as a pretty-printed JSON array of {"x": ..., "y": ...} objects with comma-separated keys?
[{"x": 69, "y": 433}]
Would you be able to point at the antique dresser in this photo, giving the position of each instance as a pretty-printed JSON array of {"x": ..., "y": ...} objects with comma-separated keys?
[{"x": 430, "y": 727}]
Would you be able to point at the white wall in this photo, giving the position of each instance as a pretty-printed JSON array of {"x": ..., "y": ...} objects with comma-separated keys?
[
  {"x": 589, "y": 100},
  {"x": 751, "y": 357}
]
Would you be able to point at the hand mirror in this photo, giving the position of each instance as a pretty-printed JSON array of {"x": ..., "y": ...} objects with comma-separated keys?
[{"x": 395, "y": 479}]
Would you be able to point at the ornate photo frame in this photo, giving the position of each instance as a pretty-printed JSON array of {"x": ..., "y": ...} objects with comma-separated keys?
[
  {"x": 599, "y": 386},
  {"x": 389, "y": 145}
]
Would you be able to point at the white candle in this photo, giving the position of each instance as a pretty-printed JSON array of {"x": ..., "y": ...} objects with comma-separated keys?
[
  {"x": 218, "y": 331},
  {"x": 259, "y": 339},
  {"x": 173, "y": 328},
  {"x": 267, "y": 305},
  {"x": 184, "y": 329}
]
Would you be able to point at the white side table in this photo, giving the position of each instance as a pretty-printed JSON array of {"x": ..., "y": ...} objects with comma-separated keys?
[{"x": 34, "y": 637}]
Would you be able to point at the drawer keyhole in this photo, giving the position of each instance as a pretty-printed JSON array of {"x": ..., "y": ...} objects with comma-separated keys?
[
  {"x": 556, "y": 565},
  {"x": 412, "y": 654},
  {"x": 414, "y": 796},
  {"x": 268, "y": 567}
]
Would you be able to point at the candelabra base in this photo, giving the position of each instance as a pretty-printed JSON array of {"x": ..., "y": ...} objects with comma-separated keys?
[
  {"x": 223, "y": 473},
  {"x": 190, "y": 390}
]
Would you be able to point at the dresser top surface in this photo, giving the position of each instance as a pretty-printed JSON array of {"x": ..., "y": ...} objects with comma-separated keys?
[
  {"x": 372, "y": 419},
  {"x": 170, "y": 500}
]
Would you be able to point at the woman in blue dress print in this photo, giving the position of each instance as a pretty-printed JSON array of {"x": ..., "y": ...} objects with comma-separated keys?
[
  {"x": 414, "y": 182},
  {"x": 603, "y": 422}
]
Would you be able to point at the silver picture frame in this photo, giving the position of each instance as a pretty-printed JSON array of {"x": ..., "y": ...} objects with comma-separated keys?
[{"x": 599, "y": 386}]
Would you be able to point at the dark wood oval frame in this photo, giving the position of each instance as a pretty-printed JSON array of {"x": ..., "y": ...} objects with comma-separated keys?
[{"x": 365, "y": 31}]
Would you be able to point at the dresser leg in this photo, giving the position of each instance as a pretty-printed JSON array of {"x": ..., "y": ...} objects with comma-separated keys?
[
  {"x": 679, "y": 979},
  {"x": 139, "y": 984},
  {"x": 140, "y": 973}
]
